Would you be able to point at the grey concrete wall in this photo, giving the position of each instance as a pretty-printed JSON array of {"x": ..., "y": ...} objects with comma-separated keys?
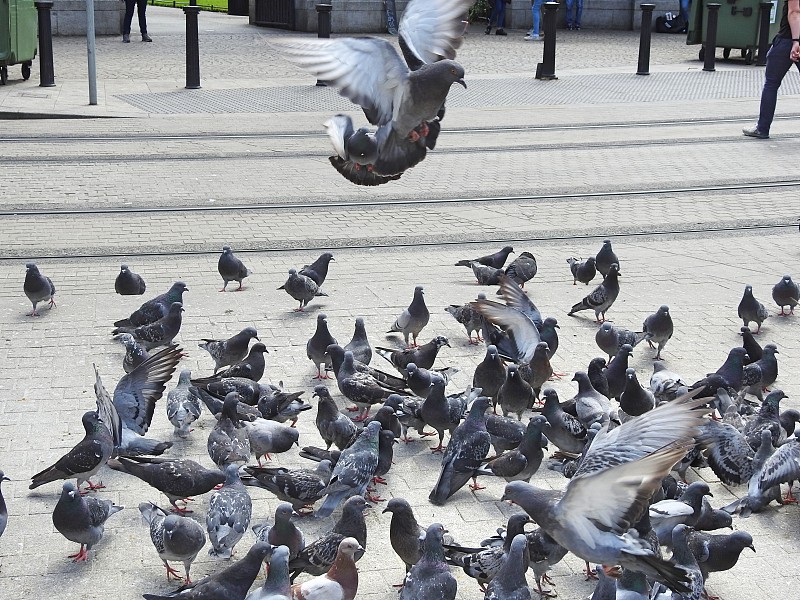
[{"x": 69, "y": 17}]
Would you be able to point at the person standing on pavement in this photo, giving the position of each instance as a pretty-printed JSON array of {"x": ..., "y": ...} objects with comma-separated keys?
[
  {"x": 141, "y": 7},
  {"x": 784, "y": 53},
  {"x": 536, "y": 10},
  {"x": 498, "y": 16},
  {"x": 574, "y": 23}
]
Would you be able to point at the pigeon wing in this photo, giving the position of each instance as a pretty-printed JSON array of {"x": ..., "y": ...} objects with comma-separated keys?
[
  {"x": 781, "y": 467},
  {"x": 519, "y": 327},
  {"x": 516, "y": 298},
  {"x": 106, "y": 410},
  {"x": 432, "y": 31}
]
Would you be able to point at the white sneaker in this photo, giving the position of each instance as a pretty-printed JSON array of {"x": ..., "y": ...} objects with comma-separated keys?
[{"x": 534, "y": 38}]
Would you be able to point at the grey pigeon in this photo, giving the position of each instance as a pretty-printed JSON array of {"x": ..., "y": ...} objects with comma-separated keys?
[
  {"x": 282, "y": 532},
  {"x": 230, "y": 351},
  {"x": 712, "y": 519},
  {"x": 159, "y": 333},
  {"x": 592, "y": 407},
  {"x": 213, "y": 394},
  {"x": 317, "y": 345},
  {"x": 715, "y": 553},
  {"x": 635, "y": 400},
  {"x": 134, "y": 353},
  {"x": 404, "y": 532},
  {"x": 318, "y": 270},
  {"x": 341, "y": 580},
  {"x": 564, "y": 430},
  {"x": 625, "y": 465},
  {"x": 277, "y": 585},
  {"x": 177, "y": 479},
  {"x": 786, "y": 293},
  {"x": 83, "y": 460},
  {"x": 610, "y": 338},
  {"x": 683, "y": 557},
  {"x": 602, "y": 297},
  {"x": 129, "y": 283},
  {"x": 3, "y": 507},
  {"x": 430, "y": 578},
  {"x": 632, "y": 586},
  {"x": 300, "y": 487},
  {"x": 765, "y": 368},
  {"x": 469, "y": 318},
  {"x": 334, "y": 427},
  {"x": 665, "y": 515},
  {"x": 523, "y": 335},
  {"x": 231, "y": 269},
  {"x": 515, "y": 395},
  {"x": 228, "y": 443},
  {"x": 269, "y": 437},
  {"x": 336, "y": 355},
  {"x": 751, "y": 346},
  {"x": 665, "y": 383},
  {"x": 353, "y": 471},
  {"x": 461, "y": 460},
  {"x": 789, "y": 420},
  {"x": 759, "y": 495},
  {"x": 81, "y": 520},
  {"x": 408, "y": 412},
  {"x": 605, "y": 258},
  {"x": 277, "y": 404},
  {"x": 728, "y": 452},
  {"x": 228, "y": 517},
  {"x": 360, "y": 387},
  {"x": 597, "y": 375},
  {"x": 423, "y": 356},
  {"x": 486, "y": 275},
  {"x": 732, "y": 369},
  {"x": 386, "y": 442},
  {"x": 606, "y": 588},
  {"x": 496, "y": 260},
  {"x": 544, "y": 552},
  {"x": 388, "y": 419},
  {"x": 782, "y": 467},
  {"x": 419, "y": 380},
  {"x": 522, "y": 269},
  {"x": 441, "y": 412},
  {"x": 231, "y": 583},
  {"x": 582, "y": 270},
  {"x": 539, "y": 370},
  {"x": 317, "y": 557},
  {"x": 490, "y": 374},
  {"x": 659, "y": 328},
  {"x": 38, "y": 288},
  {"x": 359, "y": 344},
  {"x": 767, "y": 419},
  {"x": 616, "y": 371},
  {"x": 751, "y": 309},
  {"x": 302, "y": 288},
  {"x": 549, "y": 335},
  {"x": 174, "y": 537},
  {"x": 250, "y": 367},
  {"x": 510, "y": 583},
  {"x": 413, "y": 319},
  {"x": 155, "y": 309},
  {"x": 522, "y": 463},
  {"x": 183, "y": 405}
]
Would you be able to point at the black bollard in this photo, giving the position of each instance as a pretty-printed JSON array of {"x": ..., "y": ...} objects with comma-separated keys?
[
  {"x": 192, "y": 48},
  {"x": 765, "y": 9},
  {"x": 323, "y": 26},
  {"x": 644, "y": 39},
  {"x": 710, "y": 51},
  {"x": 547, "y": 68},
  {"x": 47, "y": 77}
]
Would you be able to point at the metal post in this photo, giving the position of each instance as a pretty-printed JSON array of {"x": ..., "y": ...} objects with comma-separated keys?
[
  {"x": 765, "y": 9},
  {"x": 644, "y": 39},
  {"x": 90, "y": 52},
  {"x": 192, "y": 48},
  {"x": 47, "y": 76},
  {"x": 710, "y": 51},
  {"x": 547, "y": 68},
  {"x": 323, "y": 27}
]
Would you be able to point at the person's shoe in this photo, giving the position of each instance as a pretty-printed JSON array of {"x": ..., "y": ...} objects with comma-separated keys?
[
  {"x": 500, "y": 32},
  {"x": 126, "y": 38},
  {"x": 755, "y": 133},
  {"x": 488, "y": 29},
  {"x": 146, "y": 38},
  {"x": 532, "y": 38},
  {"x": 569, "y": 26}
]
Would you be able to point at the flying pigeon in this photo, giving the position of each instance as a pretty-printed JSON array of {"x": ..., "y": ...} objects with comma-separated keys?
[
  {"x": 81, "y": 520},
  {"x": 359, "y": 344},
  {"x": 174, "y": 537},
  {"x": 231, "y": 269},
  {"x": 277, "y": 585},
  {"x": 129, "y": 283},
  {"x": 302, "y": 288},
  {"x": 228, "y": 516},
  {"x": 134, "y": 353},
  {"x": 282, "y": 532},
  {"x": 158, "y": 333},
  {"x": 602, "y": 297},
  {"x": 38, "y": 288},
  {"x": 341, "y": 580},
  {"x": 300, "y": 487},
  {"x": 605, "y": 258},
  {"x": 318, "y": 270},
  {"x": 522, "y": 269},
  {"x": 155, "y": 309},
  {"x": 430, "y": 578},
  {"x": 582, "y": 270},
  {"x": 786, "y": 293},
  {"x": 183, "y": 405},
  {"x": 496, "y": 260},
  {"x": 751, "y": 309},
  {"x": 523, "y": 334},
  {"x": 413, "y": 319},
  {"x": 230, "y": 351}
]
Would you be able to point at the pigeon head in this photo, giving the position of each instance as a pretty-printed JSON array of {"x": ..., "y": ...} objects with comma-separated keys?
[
  {"x": 283, "y": 512},
  {"x": 491, "y": 351},
  {"x": 226, "y": 249},
  {"x": 3, "y": 477},
  {"x": 550, "y": 322},
  {"x": 541, "y": 349},
  {"x": 440, "y": 341},
  {"x": 397, "y": 505},
  {"x": 771, "y": 349},
  {"x": 292, "y": 272},
  {"x": 411, "y": 368},
  {"x": 123, "y": 268},
  {"x": 663, "y": 309},
  {"x": 630, "y": 373},
  {"x": 591, "y": 260},
  {"x": 508, "y": 250},
  {"x": 741, "y": 540},
  {"x": 348, "y": 359},
  {"x": 260, "y": 551},
  {"x": 69, "y": 492},
  {"x": 419, "y": 291},
  {"x": 606, "y": 327},
  {"x": 31, "y": 268},
  {"x": 450, "y": 72},
  {"x": 91, "y": 421},
  {"x": 626, "y": 349},
  {"x": 259, "y": 347},
  {"x": 362, "y": 147},
  {"x": 518, "y": 521},
  {"x": 600, "y": 363},
  {"x": 479, "y": 406},
  {"x": 175, "y": 293},
  {"x": 185, "y": 377},
  {"x": 355, "y": 504},
  {"x": 231, "y": 474},
  {"x": 748, "y": 290},
  {"x": 349, "y": 546},
  {"x": 607, "y": 244},
  {"x": 614, "y": 269},
  {"x": 512, "y": 371},
  {"x": 321, "y": 391},
  {"x": 774, "y": 398},
  {"x": 250, "y": 332},
  {"x": 126, "y": 339},
  {"x": 171, "y": 525},
  {"x": 550, "y": 395},
  {"x": 175, "y": 308},
  {"x": 321, "y": 318},
  {"x": 230, "y": 404},
  {"x": 433, "y": 540}
]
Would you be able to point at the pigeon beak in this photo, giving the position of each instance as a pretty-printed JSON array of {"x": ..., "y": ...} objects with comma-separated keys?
[
  {"x": 6, "y": 478},
  {"x": 710, "y": 494},
  {"x": 71, "y": 494},
  {"x": 557, "y": 326},
  {"x": 256, "y": 337},
  {"x": 384, "y": 511},
  {"x": 753, "y": 548},
  {"x": 461, "y": 81}
]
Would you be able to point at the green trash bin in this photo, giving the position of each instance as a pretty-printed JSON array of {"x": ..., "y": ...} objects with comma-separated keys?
[
  {"x": 18, "y": 36},
  {"x": 737, "y": 26}
]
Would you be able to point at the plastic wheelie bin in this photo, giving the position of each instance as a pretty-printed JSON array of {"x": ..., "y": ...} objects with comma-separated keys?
[
  {"x": 18, "y": 36},
  {"x": 737, "y": 26}
]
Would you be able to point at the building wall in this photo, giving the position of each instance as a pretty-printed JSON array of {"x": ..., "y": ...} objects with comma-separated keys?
[{"x": 69, "y": 17}]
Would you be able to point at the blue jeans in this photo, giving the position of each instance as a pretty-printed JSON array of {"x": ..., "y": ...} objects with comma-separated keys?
[
  {"x": 498, "y": 16},
  {"x": 578, "y": 10},
  {"x": 778, "y": 64},
  {"x": 141, "y": 6},
  {"x": 685, "y": 10},
  {"x": 536, "y": 9}
]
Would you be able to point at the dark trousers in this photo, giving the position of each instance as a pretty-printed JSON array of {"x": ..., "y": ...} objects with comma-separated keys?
[
  {"x": 141, "y": 5},
  {"x": 498, "y": 15},
  {"x": 778, "y": 64}
]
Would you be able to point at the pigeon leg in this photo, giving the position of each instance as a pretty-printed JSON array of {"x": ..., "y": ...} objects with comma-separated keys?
[
  {"x": 475, "y": 486},
  {"x": 239, "y": 289},
  {"x": 52, "y": 303},
  {"x": 547, "y": 580},
  {"x": 615, "y": 572},
  {"x": 545, "y": 593},
  {"x": 440, "y": 448},
  {"x": 413, "y": 136},
  {"x": 378, "y": 480},
  {"x": 789, "y": 498},
  {"x": 80, "y": 556},
  {"x": 362, "y": 416},
  {"x": 172, "y": 572},
  {"x": 305, "y": 511},
  {"x": 372, "y": 498},
  {"x": 224, "y": 286},
  {"x": 707, "y": 596},
  {"x": 92, "y": 487},
  {"x": 352, "y": 408},
  {"x": 589, "y": 573}
]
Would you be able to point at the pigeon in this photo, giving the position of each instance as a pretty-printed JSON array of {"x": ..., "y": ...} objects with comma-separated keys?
[
  {"x": 490, "y": 374},
  {"x": 543, "y": 552},
  {"x": 177, "y": 479},
  {"x": 789, "y": 420},
  {"x": 81, "y": 520},
  {"x": 751, "y": 309},
  {"x": 228, "y": 517},
  {"x": 469, "y": 318},
  {"x": 610, "y": 338},
  {"x": 592, "y": 407},
  {"x": 269, "y": 437},
  {"x": 430, "y": 577},
  {"x": 282, "y": 532},
  {"x": 423, "y": 356},
  {"x": 510, "y": 582},
  {"x": 134, "y": 353},
  {"x": 408, "y": 412},
  {"x": 751, "y": 346},
  {"x": 38, "y": 288},
  {"x": 549, "y": 335},
  {"x": 390, "y": 382},
  {"x": 359, "y": 345},
  {"x": 616, "y": 371},
  {"x": 3, "y": 507},
  {"x": 635, "y": 400},
  {"x": 85, "y": 459},
  {"x": 174, "y": 537},
  {"x": 486, "y": 275},
  {"x": 522, "y": 463},
  {"x": 602, "y": 297},
  {"x": 231, "y": 269},
  {"x": 419, "y": 380},
  {"x": 404, "y": 532},
  {"x": 441, "y": 412},
  {"x": 766, "y": 368},
  {"x": 155, "y": 309},
  {"x": 564, "y": 430},
  {"x": 626, "y": 464},
  {"x": 388, "y": 419},
  {"x": 230, "y": 351},
  {"x": 786, "y": 293},
  {"x": 231, "y": 583},
  {"x": 605, "y": 258},
  {"x": 728, "y": 453},
  {"x": 353, "y": 471},
  {"x": 359, "y": 387},
  {"x": 159, "y": 333},
  {"x": 302, "y": 288},
  {"x": 730, "y": 372},
  {"x": 582, "y": 270},
  {"x": 276, "y": 404},
  {"x": 129, "y": 283},
  {"x": 213, "y": 393},
  {"x": 664, "y": 383},
  {"x": 515, "y": 395},
  {"x": 413, "y": 319},
  {"x": 317, "y": 346},
  {"x": 665, "y": 515},
  {"x": 683, "y": 557},
  {"x": 228, "y": 442},
  {"x": 277, "y": 585},
  {"x": 767, "y": 419},
  {"x": 597, "y": 375},
  {"x": 334, "y": 427},
  {"x": 318, "y": 270},
  {"x": 539, "y": 370},
  {"x": 523, "y": 335},
  {"x": 658, "y": 328},
  {"x": 496, "y": 260},
  {"x": 341, "y": 580},
  {"x": 759, "y": 495},
  {"x": 716, "y": 553},
  {"x": 712, "y": 519},
  {"x": 300, "y": 487},
  {"x": 461, "y": 460},
  {"x": 317, "y": 557},
  {"x": 522, "y": 269},
  {"x": 183, "y": 405},
  {"x": 250, "y": 367},
  {"x": 782, "y": 467}
]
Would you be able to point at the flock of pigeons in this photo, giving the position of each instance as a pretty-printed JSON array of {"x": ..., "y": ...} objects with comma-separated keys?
[{"x": 617, "y": 441}]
